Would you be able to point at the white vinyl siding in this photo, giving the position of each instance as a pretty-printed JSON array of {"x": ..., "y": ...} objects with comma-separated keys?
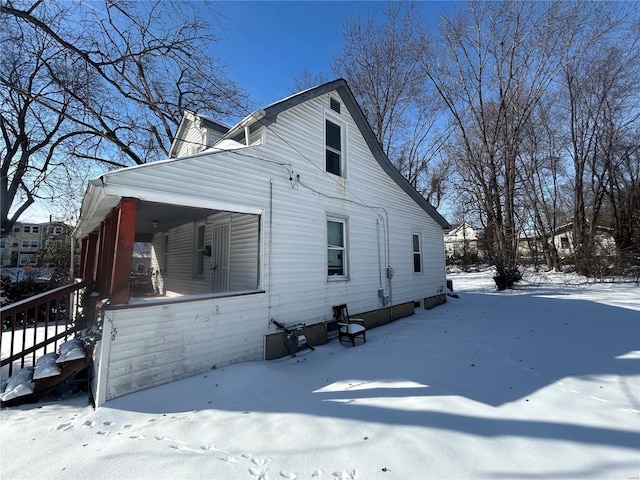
[
  {"x": 382, "y": 217},
  {"x": 244, "y": 255},
  {"x": 148, "y": 346}
]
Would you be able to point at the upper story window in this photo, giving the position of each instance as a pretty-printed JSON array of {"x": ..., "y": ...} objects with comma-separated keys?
[
  {"x": 35, "y": 229},
  {"x": 56, "y": 230},
  {"x": 16, "y": 229},
  {"x": 27, "y": 229},
  {"x": 333, "y": 144},
  {"x": 417, "y": 253}
]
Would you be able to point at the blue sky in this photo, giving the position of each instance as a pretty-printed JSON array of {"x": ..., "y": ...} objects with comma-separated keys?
[{"x": 266, "y": 45}]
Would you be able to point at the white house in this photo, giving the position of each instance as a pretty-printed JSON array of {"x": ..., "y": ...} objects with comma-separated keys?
[
  {"x": 562, "y": 238},
  {"x": 292, "y": 211},
  {"x": 461, "y": 240}
]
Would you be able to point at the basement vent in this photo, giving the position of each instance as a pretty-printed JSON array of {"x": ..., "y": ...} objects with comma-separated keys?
[{"x": 334, "y": 104}]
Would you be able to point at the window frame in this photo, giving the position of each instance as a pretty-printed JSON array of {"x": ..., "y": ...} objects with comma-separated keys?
[
  {"x": 344, "y": 248},
  {"x": 418, "y": 268}
]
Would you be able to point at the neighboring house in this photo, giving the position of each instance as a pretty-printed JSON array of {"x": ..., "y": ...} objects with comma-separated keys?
[
  {"x": 461, "y": 240},
  {"x": 562, "y": 238},
  {"x": 292, "y": 211}
]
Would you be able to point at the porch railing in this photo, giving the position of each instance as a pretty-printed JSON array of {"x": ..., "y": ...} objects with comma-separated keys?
[{"x": 32, "y": 326}]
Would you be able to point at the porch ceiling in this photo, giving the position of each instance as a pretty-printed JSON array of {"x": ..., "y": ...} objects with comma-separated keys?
[{"x": 167, "y": 216}]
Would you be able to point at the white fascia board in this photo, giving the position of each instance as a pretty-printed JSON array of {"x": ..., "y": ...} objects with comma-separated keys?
[
  {"x": 120, "y": 191},
  {"x": 93, "y": 212}
]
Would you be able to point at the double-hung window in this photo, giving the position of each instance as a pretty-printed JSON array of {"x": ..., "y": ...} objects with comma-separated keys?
[
  {"x": 417, "y": 253},
  {"x": 333, "y": 148},
  {"x": 336, "y": 247}
]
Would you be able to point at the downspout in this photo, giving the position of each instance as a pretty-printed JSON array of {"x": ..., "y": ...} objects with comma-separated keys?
[
  {"x": 379, "y": 252},
  {"x": 270, "y": 249},
  {"x": 388, "y": 270}
]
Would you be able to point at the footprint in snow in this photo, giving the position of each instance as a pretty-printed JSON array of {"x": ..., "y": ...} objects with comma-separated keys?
[
  {"x": 316, "y": 473},
  {"x": 184, "y": 448},
  {"x": 107, "y": 423},
  {"x": 89, "y": 423},
  {"x": 344, "y": 475},
  {"x": 229, "y": 459},
  {"x": 100, "y": 432},
  {"x": 64, "y": 426},
  {"x": 288, "y": 475},
  {"x": 208, "y": 448},
  {"x": 262, "y": 475}
]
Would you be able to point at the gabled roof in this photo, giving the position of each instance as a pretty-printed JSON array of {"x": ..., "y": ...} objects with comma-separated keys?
[
  {"x": 456, "y": 227},
  {"x": 270, "y": 113},
  {"x": 192, "y": 117},
  {"x": 97, "y": 201}
]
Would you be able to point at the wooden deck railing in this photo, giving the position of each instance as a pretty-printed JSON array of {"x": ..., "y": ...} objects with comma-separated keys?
[{"x": 33, "y": 325}]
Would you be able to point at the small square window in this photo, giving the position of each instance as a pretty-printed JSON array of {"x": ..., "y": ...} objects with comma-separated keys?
[
  {"x": 35, "y": 229},
  {"x": 27, "y": 229}
]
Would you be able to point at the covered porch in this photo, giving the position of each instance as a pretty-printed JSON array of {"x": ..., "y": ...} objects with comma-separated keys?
[{"x": 136, "y": 250}]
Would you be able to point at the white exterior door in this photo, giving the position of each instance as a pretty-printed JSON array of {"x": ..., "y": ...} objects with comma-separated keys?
[{"x": 220, "y": 250}]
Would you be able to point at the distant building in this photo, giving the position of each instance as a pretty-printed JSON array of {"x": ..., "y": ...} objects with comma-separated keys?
[
  {"x": 26, "y": 241},
  {"x": 562, "y": 239},
  {"x": 461, "y": 241}
]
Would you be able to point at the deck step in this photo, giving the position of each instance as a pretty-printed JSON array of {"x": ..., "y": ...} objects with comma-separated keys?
[{"x": 31, "y": 384}]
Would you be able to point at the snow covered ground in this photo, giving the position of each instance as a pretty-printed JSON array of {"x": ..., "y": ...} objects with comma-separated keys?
[{"x": 543, "y": 381}]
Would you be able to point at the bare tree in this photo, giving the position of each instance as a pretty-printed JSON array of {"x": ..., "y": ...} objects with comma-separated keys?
[
  {"x": 492, "y": 67},
  {"x": 543, "y": 175},
  {"x": 118, "y": 76},
  {"x": 381, "y": 61},
  {"x": 603, "y": 100},
  {"x": 306, "y": 80}
]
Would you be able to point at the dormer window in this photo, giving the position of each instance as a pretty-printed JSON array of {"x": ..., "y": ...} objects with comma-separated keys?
[{"x": 333, "y": 148}]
